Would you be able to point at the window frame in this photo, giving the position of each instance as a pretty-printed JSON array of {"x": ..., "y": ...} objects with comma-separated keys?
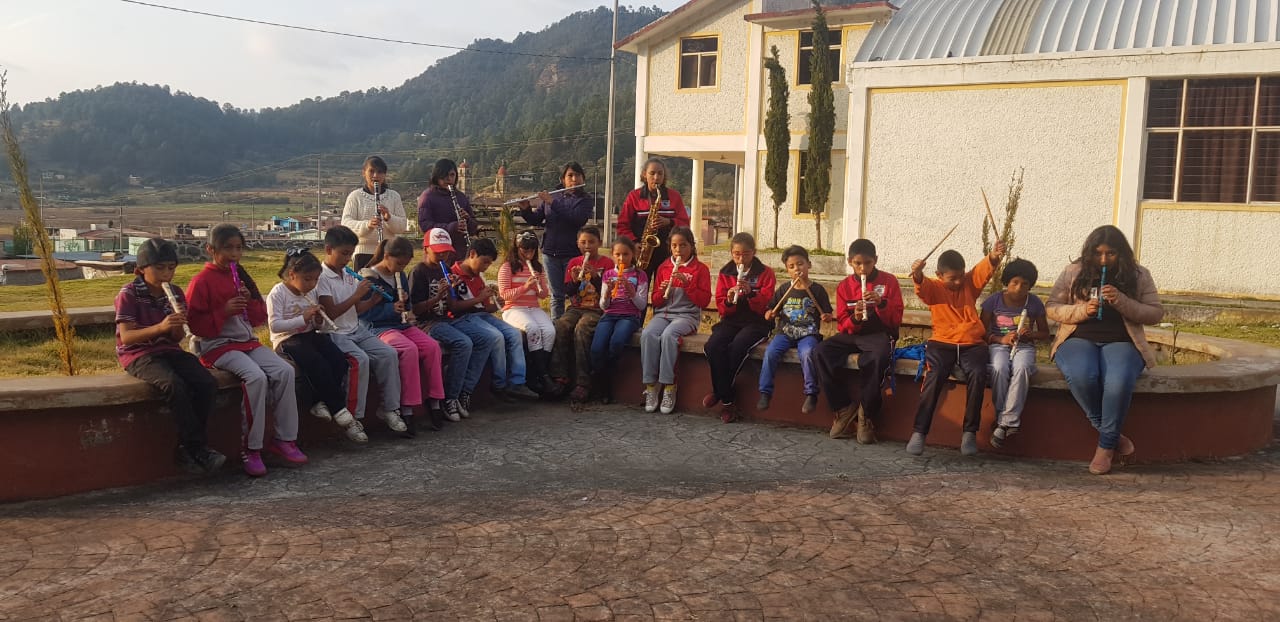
[
  {"x": 1181, "y": 129},
  {"x": 837, "y": 49},
  {"x": 715, "y": 59}
]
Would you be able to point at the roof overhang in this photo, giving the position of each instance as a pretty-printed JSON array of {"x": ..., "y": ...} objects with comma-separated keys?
[
  {"x": 852, "y": 13},
  {"x": 668, "y": 25}
]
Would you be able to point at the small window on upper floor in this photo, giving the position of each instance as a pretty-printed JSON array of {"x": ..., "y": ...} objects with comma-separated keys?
[
  {"x": 698, "y": 58},
  {"x": 806, "y": 52}
]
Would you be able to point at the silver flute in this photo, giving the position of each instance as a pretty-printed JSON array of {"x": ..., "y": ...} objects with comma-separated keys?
[{"x": 552, "y": 192}]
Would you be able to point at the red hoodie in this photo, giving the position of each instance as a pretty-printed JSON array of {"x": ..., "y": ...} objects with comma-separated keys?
[
  {"x": 885, "y": 317},
  {"x": 690, "y": 297},
  {"x": 216, "y": 332},
  {"x": 752, "y": 305}
]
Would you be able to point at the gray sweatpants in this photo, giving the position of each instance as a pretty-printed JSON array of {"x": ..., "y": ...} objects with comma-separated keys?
[
  {"x": 371, "y": 352},
  {"x": 267, "y": 379},
  {"x": 660, "y": 345}
]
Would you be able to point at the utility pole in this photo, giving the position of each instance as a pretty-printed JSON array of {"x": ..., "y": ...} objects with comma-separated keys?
[
  {"x": 318, "y": 236},
  {"x": 608, "y": 150}
]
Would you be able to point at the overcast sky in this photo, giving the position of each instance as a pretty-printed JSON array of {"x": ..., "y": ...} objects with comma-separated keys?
[{"x": 53, "y": 46}]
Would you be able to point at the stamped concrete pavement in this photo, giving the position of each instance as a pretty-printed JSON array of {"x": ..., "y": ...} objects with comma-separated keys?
[{"x": 545, "y": 514}]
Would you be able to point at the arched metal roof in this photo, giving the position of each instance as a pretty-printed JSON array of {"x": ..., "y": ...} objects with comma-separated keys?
[{"x": 923, "y": 29}]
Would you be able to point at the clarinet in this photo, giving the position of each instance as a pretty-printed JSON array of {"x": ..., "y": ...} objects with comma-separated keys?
[
  {"x": 377, "y": 211},
  {"x": 462, "y": 217}
]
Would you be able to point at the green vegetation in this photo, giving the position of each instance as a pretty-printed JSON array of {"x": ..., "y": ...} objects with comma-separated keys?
[
  {"x": 822, "y": 122},
  {"x": 777, "y": 136},
  {"x": 1266, "y": 334}
]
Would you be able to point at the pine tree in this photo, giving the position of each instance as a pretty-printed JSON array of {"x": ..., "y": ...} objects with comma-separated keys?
[
  {"x": 777, "y": 136},
  {"x": 822, "y": 122}
]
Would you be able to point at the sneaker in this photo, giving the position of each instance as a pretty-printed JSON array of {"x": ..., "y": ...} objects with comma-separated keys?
[
  {"x": 464, "y": 401},
  {"x": 915, "y": 446},
  {"x": 355, "y": 432},
  {"x": 186, "y": 460},
  {"x": 969, "y": 444},
  {"x": 668, "y": 399},
  {"x": 709, "y": 400},
  {"x": 321, "y": 412},
  {"x": 253, "y": 466},
  {"x": 579, "y": 394},
  {"x": 651, "y": 398},
  {"x": 1002, "y": 434},
  {"x": 453, "y": 410},
  {"x": 393, "y": 420},
  {"x": 729, "y": 413},
  {"x": 208, "y": 459},
  {"x": 843, "y": 420},
  {"x": 866, "y": 429},
  {"x": 763, "y": 402},
  {"x": 409, "y": 430},
  {"x": 343, "y": 418},
  {"x": 521, "y": 392},
  {"x": 287, "y": 450},
  {"x": 810, "y": 403}
]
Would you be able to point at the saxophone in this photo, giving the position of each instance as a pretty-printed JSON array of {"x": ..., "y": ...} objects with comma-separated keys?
[{"x": 649, "y": 237}]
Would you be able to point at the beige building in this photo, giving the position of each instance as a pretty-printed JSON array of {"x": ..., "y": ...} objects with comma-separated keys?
[{"x": 1159, "y": 116}]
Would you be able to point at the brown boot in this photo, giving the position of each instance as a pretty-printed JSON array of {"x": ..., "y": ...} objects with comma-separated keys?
[
  {"x": 843, "y": 421},
  {"x": 866, "y": 429}
]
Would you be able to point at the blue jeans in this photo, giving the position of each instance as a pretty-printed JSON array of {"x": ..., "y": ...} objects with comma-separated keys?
[
  {"x": 555, "y": 267},
  {"x": 463, "y": 360},
  {"x": 773, "y": 356},
  {"x": 1010, "y": 379},
  {"x": 506, "y": 347},
  {"x": 1101, "y": 378},
  {"x": 613, "y": 331}
]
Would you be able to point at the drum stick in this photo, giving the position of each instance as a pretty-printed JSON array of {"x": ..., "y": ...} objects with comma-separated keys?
[
  {"x": 944, "y": 239},
  {"x": 994, "y": 229}
]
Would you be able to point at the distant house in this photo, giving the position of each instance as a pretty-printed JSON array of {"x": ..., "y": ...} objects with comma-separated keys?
[
  {"x": 27, "y": 271},
  {"x": 285, "y": 224}
]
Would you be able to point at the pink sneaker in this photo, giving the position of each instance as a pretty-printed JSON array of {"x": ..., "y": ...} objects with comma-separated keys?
[
  {"x": 287, "y": 450},
  {"x": 253, "y": 463}
]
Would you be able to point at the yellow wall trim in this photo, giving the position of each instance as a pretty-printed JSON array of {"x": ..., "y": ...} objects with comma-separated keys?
[
  {"x": 996, "y": 86},
  {"x": 1210, "y": 207}
]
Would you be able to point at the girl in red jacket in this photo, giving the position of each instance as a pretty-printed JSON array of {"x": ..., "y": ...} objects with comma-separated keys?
[
  {"x": 743, "y": 289},
  {"x": 681, "y": 289},
  {"x": 224, "y": 305}
]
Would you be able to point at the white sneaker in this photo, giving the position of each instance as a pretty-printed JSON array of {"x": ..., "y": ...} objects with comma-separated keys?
[
  {"x": 393, "y": 420},
  {"x": 355, "y": 432},
  {"x": 321, "y": 412},
  {"x": 668, "y": 399},
  {"x": 343, "y": 418},
  {"x": 651, "y": 398},
  {"x": 452, "y": 410}
]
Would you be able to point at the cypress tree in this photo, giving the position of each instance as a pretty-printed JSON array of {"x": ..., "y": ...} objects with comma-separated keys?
[
  {"x": 777, "y": 136},
  {"x": 822, "y": 122}
]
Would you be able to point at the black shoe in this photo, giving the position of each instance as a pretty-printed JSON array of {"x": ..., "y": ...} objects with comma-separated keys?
[
  {"x": 199, "y": 461},
  {"x": 520, "y": 392},
  {"x": 436, "y": 420},
  {"x": 410, "y": 430}
]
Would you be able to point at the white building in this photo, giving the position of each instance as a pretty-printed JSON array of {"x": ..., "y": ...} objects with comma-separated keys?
[{"x": 1159, "y": 116}]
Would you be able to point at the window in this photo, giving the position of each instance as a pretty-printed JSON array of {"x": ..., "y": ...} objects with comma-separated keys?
[
  {"x": 1213, "y": 141},
  {"x": 802, "y": 169},
  {"x": 806, "y": 52},
  {"x": 698, "y": 62}
]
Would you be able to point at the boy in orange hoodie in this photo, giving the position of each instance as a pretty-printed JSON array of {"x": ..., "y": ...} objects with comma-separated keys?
[{"x": 958, "y": 337}]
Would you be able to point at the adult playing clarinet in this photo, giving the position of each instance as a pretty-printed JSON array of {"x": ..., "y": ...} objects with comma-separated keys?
[
  {"x": 374, "y": 211},
  {"x": 441, "y": 203},
  {"x": 563, "y": 215},
  {"x": 635, "y": 213}
]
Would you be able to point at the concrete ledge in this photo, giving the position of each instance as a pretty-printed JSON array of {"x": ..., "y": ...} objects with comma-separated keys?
[{"x": 31, "y": 320}]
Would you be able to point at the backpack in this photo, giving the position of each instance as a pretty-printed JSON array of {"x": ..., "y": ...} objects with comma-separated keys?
[{"x": 911, "y": 353}]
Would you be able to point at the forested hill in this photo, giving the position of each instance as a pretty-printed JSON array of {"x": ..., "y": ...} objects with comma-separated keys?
[{"x": 469, "y": 98}]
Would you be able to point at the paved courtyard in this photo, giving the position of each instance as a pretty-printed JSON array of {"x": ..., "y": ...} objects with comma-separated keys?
[{"x": 545, "y": 514}]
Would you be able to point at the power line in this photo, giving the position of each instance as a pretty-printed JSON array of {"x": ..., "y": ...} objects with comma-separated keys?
[{"x": 356, "y": 36}]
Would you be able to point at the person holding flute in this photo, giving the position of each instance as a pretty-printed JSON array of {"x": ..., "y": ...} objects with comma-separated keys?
[
  {"x": 151, "y": 314},
  {"x": 798, "y": 308},
  {"x": 294, "y": 318},
  {"x": 1015, "y": 320},
  {"x": 522, "y": 282},
  {"x": 1101, "y": 346},
  {"x": 374, "y": 211},
  {"x": 743, "y": 289},
  {"x": 443, "y": 206},
  {"x": 681, "y": 290},
  {"x": 563, "y": 215},
  {"x": 868, "y": 318}
]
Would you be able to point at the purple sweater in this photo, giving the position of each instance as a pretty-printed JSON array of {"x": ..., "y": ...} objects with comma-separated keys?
[{"x": 435, "y": 209}]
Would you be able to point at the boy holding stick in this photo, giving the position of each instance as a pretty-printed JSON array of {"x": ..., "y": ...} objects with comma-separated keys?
[{"x": 869, "y": 316}]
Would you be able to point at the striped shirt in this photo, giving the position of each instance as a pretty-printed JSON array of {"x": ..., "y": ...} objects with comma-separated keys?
[{"x": 510, "y": 287}]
